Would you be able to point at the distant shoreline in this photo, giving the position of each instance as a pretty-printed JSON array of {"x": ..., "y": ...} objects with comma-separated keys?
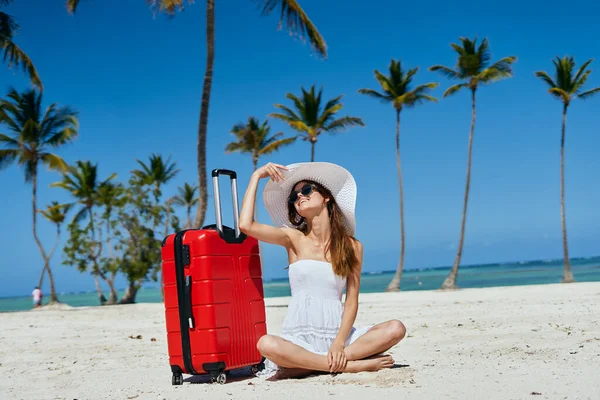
[{"x": 520, "y": 264}]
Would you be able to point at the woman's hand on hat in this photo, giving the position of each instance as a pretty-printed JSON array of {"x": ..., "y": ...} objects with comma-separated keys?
[{"x": 271, "y": 170}]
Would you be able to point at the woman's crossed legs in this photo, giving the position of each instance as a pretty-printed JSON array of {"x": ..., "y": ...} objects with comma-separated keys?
[{"x": 361, "y": 354}]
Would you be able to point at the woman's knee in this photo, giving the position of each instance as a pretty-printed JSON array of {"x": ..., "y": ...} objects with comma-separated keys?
[
  {"x": 395, "y": 331},
  {"x": 267, "y": 345}
]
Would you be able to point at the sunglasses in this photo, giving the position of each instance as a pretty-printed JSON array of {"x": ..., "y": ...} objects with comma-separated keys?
[{"x": 305, "y": 190}]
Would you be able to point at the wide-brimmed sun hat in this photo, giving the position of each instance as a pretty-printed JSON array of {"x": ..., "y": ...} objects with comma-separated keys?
[{"x": 334, "y": 178}]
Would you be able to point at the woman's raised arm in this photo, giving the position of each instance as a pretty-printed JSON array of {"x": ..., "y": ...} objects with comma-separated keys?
[{"x": 248, "y": 225}]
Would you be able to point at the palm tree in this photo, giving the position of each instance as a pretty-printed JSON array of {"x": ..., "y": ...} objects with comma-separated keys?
[
  {"x": 473, "y": 69},
  {"x": 397, "y": 90},
  {"x": 11, "y": 53},
  {"x": 55, "y": 213},
  {"x": 35, "y": 132},
  {"x": 156, "y": 173},
  {"x": 81, "y": 181},
  {"x": 187, "y": 198},
  {"x": 566, "y": 88},
  {"x": 253, "y": 138},
  {"x": 311, "y": 119},
  {"x": 297, "y": 23}
]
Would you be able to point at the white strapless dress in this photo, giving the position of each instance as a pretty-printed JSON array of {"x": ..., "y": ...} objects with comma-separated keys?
[{"x": 315, "y": 309}]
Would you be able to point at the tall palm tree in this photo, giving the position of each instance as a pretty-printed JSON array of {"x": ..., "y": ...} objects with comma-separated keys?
[
  {"x": 35, "y": 132},
  {"x": 567, "y": 86},
  {"x": 187, "y": 198},
  {"x": 253, "y": 138},
  {"x": 11, "y": 53},
  {"x": 310, "y": 118},
  {"x": 55, "y": 213},
  {"x": 297, "y": 23},
  {"x": 396, "y": 89},
  {"x": 473, "y": 69},
  {"x": 81, "y": 180}
]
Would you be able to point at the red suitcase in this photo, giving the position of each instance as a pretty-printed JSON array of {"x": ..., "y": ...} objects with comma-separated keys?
[{"x": 213, "y": 295}]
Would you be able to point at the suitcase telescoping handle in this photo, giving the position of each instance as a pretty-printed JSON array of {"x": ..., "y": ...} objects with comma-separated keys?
[{"x": 234, "y": 198}]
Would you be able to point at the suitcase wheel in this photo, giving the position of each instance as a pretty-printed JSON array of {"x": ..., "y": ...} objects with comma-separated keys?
[
  {"x": 177, "y": 379},
  {"x": 221, "y": 378}
]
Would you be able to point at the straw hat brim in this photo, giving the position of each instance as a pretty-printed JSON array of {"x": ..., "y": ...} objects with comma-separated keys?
[{"x": 335, "y": 178}]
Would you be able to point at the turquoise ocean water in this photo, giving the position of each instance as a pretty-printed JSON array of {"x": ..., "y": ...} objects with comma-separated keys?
[{"x": 474, "y": 276}]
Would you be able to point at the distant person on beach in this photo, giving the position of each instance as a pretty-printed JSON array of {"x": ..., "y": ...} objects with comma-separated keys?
[
  {"x": 37, "y": 297},
  {"x": 312, "y": 207}
]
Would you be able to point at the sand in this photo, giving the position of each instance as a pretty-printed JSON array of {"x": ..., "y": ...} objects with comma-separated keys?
[{"x": 526, "y": 342}]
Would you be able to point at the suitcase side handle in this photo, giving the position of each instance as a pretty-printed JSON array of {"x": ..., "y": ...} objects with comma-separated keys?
[{"x": 234, "y": 199}]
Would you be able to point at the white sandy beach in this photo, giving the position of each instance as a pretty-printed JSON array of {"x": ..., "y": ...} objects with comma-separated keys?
[{"x": 527, "y": 342}]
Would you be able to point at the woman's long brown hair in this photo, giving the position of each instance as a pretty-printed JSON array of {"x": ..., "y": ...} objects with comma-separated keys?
[{"x": 340, "y": 245}]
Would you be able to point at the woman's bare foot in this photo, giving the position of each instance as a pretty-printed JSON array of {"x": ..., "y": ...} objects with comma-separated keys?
[{"x": 374, "y": 363}]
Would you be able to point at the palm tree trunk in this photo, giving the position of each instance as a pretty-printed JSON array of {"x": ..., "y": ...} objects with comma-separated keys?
[
  {"x": 188, "y": 223},
  {"x": 202, "y": 127},
  {"x": 47, "y": 267},
  {"x": 53, "y": 296},
  {"x": 312, "y": 149},
  {"x": 567, "y": 274},
  {"x": 450, "y": 281},
  {"x": 394, "y": 285},
  {"x": 41, "y": 281}
]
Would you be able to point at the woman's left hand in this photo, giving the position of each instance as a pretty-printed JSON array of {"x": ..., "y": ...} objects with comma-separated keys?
[{"x": 337, "y": 358}]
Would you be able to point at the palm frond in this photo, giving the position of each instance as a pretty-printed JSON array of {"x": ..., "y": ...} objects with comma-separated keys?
[
  {"x": 546, "y": 78},
  {"x": 425, "y": 87},
  {"x": 299, "y": 126},
  {"x": 446, "y": 71},
  {"x": 7, "y": 115},
  {"x": 7, "y": 157},
  {"x": 169, "y": 7},
  {"x": 13, "y": 55},
  {"x": 299, "y": 103},
  {"x": 277, "y": 144},
  {"x": 235, "y": 147},
  {"x": 71, "y": 6},
  {"x": 8, "y": 141},
  {"x": 560, "y": 93},
  {"x": 454, "y": 89},
  {"x": 375, "y": 94},
  {"x": 288, "y": 111},
  {"x": 8, "y": 26},
  {"x": 54, "y": 162},
  {"x": 297, "y": 22},
  {"x": 342, "y": 123},
  {"x": 589, "y": 93},
  {"x": 385, "y": 82},
  {"x": 577, "y": 84},
  {"x": 328, "y": 113},
  {"x": 283, "y": 117},
  {"x": 582, "y": 70}
]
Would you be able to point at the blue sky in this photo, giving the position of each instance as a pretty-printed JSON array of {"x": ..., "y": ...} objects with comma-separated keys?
[{"x": 136, "y": 81}]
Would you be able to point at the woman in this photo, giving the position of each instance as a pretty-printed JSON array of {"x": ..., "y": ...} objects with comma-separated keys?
[{"x": 312, "y": 207}]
